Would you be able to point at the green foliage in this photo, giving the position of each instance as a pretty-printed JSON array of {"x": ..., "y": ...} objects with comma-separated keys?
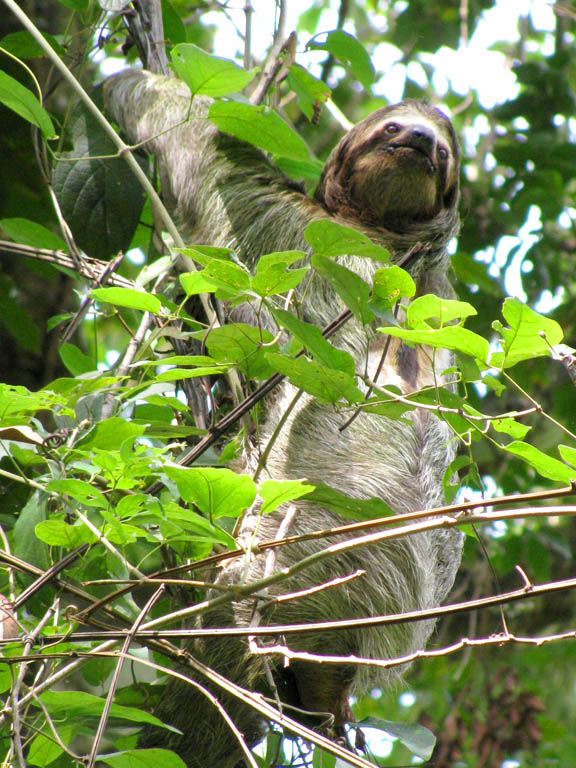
[
  {"x": 25, "y": 104},
  {"x": 206, "y": 74},
  {"x": 310, "y": 91},
  {"x": 328, "y": 238},
  {"x": 89, "y": 462},
  {"x": 259, "y": 126},
  {"x": 350, "y": 51},
  {"x": 92, "y": 188}
]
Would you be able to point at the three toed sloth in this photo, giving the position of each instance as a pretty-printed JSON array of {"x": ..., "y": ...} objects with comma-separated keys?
[{"x": 394, "y": 176}]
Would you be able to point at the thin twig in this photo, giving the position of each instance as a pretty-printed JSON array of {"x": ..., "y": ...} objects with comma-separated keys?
[
  {"x": 98, "y": 281},
  {"x": 334, "y": 550},
  {"x": 146, "y": 635},
  {"x": 15, "y": 694},
  {"x": 48, "y": 576},
  {"x": 248, "y": 13},
  {"x": 500, "y": 639},
  {"x": 116, "y": 676},
  {"x": 272, "y": 65},
  {"x": 90, "y": 268}
]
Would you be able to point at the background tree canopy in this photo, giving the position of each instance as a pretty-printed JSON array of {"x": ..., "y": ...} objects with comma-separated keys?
[{"x": 100, "y": 360}]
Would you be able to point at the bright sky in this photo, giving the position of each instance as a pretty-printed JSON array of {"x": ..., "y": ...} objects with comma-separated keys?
[{"x": 473, "y": 67}]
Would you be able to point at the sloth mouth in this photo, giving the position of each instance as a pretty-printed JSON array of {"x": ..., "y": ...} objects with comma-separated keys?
[{"x": 391, "y": 149}]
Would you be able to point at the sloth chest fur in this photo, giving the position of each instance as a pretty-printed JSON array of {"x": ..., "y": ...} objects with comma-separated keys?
[
  {"x": 407, "y": 368},
  {"x": 401, "y": 461}
]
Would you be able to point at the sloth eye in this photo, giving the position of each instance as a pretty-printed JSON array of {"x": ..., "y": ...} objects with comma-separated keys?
[
  {"x": 392, "y": 128},
  {"x": 442, "y": 153}
]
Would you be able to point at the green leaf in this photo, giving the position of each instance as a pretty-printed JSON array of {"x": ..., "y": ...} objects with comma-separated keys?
[
  {"x": 445, "y": 311},
  {"x": 332, "y": 239},
  {"x": 22, "y": 101},
  {"x": 274, "y": 493},
  {"x": 453, "y": 337},
  {"x": 80, "y": 491},
  {"x": 45, "y": 750},
  {"x": 310, "y": 91},
  {"x": 349, "y": 51},
  {"x": 523, "y": 339},
  {"x": 110, "y": 434},
  {"x": 194, "y": 283},
  {"x": 322, "y": 759},
  {"x": 174, "y": 29},
  {"x": 207, "y": 74},
  {"x": 390, "y": 284},
  {"x": 273, "y": 275},
  {"x": 16, "y": 402},
  {"x": 130, "y": 505},
  {"x": 568, "y": 454},
  {"x": 177, "y": 360},
  {"x": 227, "y": 275},
  {"x": 128, "y": 297},
  {"x": 58, "y": 533},
  {"x": 23, "y": 46},
  {"x": 352, "y": 289},
  {"x": 100, "y": 197},
  {"x": 510, "y": 426},
  {"x": 31, "y": 233},
  {"x": 75, "y": 360},
  {"x": 26, "y": 544},
  {"x": 80, "y": 704},
  {"x": 308, "y": 170},
  {"x": 310, "y": 336},
  {"x": 419, "y": 740},
  {"x": 196, "y": 524},
  {"x": 327, "y": 385},
  {"x": 545, "y": 465},
  {"x": 143, "y": 758},
  {"x": 450, "y": 478},
  {"x": 259, "y": 126},
  {"x": 356, "y": 509},
  {"x": 165, "y": 400},
  {"x": 179, "y": 374},
  {"x": 494, "y": 384},
  {"x": 204, "y": 254},
  {"x": 241, "y": 345},
  {"x": 214, "y": 490}
]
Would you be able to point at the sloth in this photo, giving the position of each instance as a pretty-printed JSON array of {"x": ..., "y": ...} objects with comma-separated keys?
[{"x": 394, "y": 177}]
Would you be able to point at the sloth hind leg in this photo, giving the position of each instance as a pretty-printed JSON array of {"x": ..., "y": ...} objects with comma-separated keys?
[{"x": 324, "y": 689}]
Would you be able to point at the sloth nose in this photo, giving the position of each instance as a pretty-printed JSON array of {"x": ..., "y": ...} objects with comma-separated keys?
[{"x": 421, "y": 137}]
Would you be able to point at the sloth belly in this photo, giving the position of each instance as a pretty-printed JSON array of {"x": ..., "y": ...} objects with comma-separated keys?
[{"x": 400, "y": 461}]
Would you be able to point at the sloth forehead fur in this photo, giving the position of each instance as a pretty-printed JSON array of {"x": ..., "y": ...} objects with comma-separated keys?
[{"x": 399, "y": 165}]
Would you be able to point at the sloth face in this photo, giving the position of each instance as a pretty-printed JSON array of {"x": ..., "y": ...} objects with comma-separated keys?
[{"x": 398, "y": 166}]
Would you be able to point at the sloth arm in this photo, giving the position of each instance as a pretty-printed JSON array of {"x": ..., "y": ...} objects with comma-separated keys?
[{"x": 223, "y": 191}]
